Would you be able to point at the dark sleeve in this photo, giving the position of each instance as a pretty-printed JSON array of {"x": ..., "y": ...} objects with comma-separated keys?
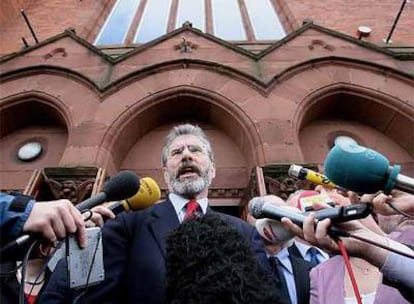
[
  {"x": 398, "y": 272},
  {"x": 256, "y": 242},
  {"x": 258, "y": 248},
  {"x": 405, "y": 291},
  {"x": 57, "y": 289}
]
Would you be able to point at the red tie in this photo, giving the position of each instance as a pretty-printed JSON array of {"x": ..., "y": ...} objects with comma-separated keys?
[{"x": 192, "y": 210}]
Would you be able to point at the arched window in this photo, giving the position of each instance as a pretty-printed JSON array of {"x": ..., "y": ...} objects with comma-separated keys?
[{"x": 139, "y": 21}]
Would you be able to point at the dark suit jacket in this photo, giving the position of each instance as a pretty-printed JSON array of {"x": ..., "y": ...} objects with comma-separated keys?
[
  {"x": 134, "y": 258},
  {"x": 301, "y": 269}
]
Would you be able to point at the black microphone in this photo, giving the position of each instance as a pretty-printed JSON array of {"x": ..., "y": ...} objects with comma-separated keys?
[
  {"x": 259, "y": 208},
  {"x": 122, "y": 186}
]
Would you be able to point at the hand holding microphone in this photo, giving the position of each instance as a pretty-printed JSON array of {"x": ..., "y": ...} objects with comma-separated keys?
[
  {"x": 149, "y": 192},
  {"x": 259, "y": 208},
  {"x": 64, "y": 218}
]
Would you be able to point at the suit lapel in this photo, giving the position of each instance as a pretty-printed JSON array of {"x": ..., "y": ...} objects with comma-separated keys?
[
  {"x": 162, "y": 221},
  {"x": 301, "y": 269}
]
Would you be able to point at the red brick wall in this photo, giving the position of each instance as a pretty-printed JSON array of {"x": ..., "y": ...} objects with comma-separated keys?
[
  {"x": 347, "y": 16},
  {"x": 51, "y": 17}
]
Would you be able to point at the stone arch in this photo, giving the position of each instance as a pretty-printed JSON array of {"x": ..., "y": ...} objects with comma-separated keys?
[
  {"x": 220, "y": 116},
  {"x": 28, "y": 117},
  {"x": 374, "y": 118}
]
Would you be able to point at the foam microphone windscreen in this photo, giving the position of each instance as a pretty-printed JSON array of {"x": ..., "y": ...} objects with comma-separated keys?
[
  {"x": 124, "y": 184},
  {"x": 355, "y": 167},
  {"x": 149, "y": 192}
]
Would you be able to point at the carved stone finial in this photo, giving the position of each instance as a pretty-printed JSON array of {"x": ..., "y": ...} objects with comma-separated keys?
[{"x": 187, "y": 24}]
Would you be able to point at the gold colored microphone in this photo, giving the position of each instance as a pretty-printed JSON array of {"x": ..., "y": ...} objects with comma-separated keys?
[{"x": 149, "y": 192}]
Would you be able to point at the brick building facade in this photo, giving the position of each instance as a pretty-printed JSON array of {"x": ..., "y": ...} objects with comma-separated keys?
[{"x": 264, "y": 104}]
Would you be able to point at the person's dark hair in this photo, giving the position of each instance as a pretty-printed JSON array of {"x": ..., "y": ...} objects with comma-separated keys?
[{"x": 209, "y": 261}]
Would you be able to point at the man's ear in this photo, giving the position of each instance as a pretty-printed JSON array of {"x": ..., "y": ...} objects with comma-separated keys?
[
  {"x": 213, "y": 170},
  {"x": 166, "y": 176}
]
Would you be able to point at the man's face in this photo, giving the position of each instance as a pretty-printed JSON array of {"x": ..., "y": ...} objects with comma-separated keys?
[{"x": 188, "y": 170}]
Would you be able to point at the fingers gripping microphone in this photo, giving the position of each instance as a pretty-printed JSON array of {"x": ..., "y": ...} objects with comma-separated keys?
[
  {"x": 259, "y": 208},
  {"x": 149, "y": 192},
  {"x": 360, "y": 169},
  {"x": 123, "y": 185}
]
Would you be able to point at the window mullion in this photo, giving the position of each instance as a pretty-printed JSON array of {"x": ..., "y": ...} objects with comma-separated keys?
[
  {"x": 173, "y": 16},
  {"x": 209, "y": 17},
  {"x": 135, "y": 22},
  {"x": 246, "y": 21}
]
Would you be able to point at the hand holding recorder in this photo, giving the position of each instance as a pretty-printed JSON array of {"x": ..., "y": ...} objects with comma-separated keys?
[{"x": 260, "y": 208}]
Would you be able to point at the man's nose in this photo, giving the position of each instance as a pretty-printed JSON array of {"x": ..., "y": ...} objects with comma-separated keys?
[{"x": 187, "y": 154}]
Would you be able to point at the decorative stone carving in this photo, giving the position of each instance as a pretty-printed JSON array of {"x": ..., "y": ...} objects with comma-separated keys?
[
  {"x": 320, "y": 43},
  {"x": 75, "y": 183},
  {"x": 185, "y": 46},
  {"x": 75, "y": 191},
  {"x": 57, "y": 51}
]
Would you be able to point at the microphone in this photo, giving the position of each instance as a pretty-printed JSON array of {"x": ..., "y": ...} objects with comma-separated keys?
[
  {"x": 312, "y": 176},
  {"x": 259, "y": 208},
  {"x": 148, "y": 193},
  {"x": 363, "y": 170},
  {"x": 121, "y": 186}
]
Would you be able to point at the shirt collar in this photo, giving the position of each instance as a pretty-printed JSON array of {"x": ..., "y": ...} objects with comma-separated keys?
[
  {"x": 283, "y": 256},
  {"x": 303, "y": 249},
  {"x": 179, "y": 202}
]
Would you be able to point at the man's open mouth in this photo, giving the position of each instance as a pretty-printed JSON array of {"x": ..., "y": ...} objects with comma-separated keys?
[{"x": 188, "y": 171}]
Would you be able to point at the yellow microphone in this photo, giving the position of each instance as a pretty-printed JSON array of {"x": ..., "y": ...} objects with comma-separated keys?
[
  {"x": 149, "y": 192},
  {"x": 312, "y": 176}
]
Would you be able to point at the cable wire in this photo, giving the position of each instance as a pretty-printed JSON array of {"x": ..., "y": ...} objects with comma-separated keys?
[
  {"x": 350, "y": 271},
  {"x": 23, "y": 276}
]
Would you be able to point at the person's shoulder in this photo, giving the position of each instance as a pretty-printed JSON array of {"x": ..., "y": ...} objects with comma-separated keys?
[
  {"x": 236, "y": 221},
  {"x": 331, "y": 265}
]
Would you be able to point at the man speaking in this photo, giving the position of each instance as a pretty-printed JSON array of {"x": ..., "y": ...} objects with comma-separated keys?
[{"x": 134, "y": 244}]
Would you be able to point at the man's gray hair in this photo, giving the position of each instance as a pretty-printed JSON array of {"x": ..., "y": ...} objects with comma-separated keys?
[{"x": 185, "y": 129}]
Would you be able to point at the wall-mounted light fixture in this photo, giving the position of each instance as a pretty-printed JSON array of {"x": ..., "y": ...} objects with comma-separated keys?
[
  {"x": 363, "y": 31},
  {"x": 29, "y": 151}
]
